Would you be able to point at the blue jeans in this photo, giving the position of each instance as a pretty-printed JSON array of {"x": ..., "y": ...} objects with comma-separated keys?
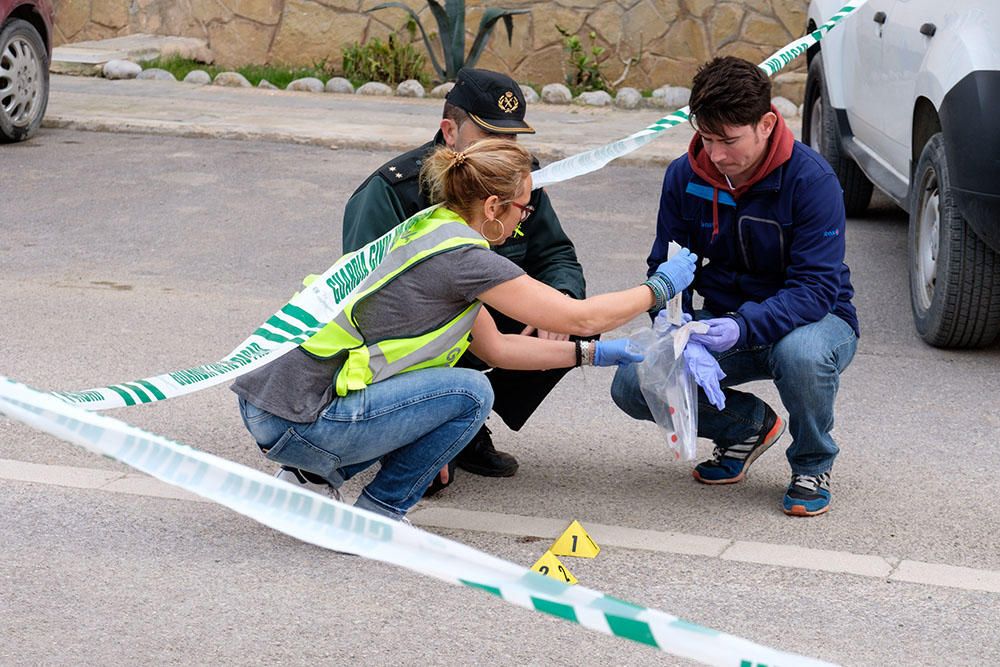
[
  {"x": 805, "y": 365},
  {"x": 412, "y": 423}
]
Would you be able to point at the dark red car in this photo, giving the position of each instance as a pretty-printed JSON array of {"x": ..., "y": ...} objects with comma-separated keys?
[{"x": 25, "y": 53}]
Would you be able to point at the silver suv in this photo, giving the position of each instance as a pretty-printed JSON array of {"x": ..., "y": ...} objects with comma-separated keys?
[{"x": 905, "y": 95}]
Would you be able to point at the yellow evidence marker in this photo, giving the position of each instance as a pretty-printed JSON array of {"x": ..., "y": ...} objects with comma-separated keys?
[
  {"x": 550, "y": 566},
  {"x": 575, "y": 542}
]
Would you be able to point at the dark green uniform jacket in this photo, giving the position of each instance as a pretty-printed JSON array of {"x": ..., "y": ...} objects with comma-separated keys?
[{"x": 392, "y": 194}]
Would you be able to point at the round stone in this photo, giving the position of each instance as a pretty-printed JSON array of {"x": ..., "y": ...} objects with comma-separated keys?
[
  {"x": 594, "y": 98},
  {"x": 266, "y": 85},
  {"x": 441, "y": 91},
  {"x": 231, "y": 80},
  {"x": 307, "y": 84},
  {"x": 628, "y": 98},
  {"x": 410, "y": 88},
  {"x": 199, "y": 77},
  {"x": 530, "y": 96},
  {"x": 556, "y": 93},
  {"x": 120, "y": 69},
  {"x": 339, "y": 84},
  {"x": 785, "y": 107},
  {"x": 156, "y": 74},
  {"x": 374, "y": 88}
]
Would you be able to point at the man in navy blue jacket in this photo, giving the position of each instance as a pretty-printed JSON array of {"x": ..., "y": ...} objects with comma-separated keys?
[{"x": 765, "y": 214}]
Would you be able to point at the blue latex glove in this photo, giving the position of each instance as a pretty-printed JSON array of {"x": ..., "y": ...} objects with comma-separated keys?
[
  {"x": 706, "y": 372},
  {"x": 679, "y": 270},
  {"x": 722, "y": 334},
  {"x": 620, "y": 351}
]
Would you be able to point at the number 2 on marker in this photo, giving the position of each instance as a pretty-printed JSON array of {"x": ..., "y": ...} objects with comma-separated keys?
[
  {"x": 544, "y": 569},
  {"x": 565, "y": 574}
]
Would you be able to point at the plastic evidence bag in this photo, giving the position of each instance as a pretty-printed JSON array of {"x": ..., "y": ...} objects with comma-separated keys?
[{"x": 669, "y": 389}]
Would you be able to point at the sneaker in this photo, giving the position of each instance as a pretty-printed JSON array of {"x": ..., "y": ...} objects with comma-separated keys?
[
  {"x": 729, "y": 465},
  {"x": 309, "y": 482},
  {"x": 480, "y": 457},
  {"x": 808, "y": 495}
]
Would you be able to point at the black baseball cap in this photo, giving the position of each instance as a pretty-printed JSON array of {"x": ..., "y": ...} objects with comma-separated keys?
[{"x": 493, "y": 101}]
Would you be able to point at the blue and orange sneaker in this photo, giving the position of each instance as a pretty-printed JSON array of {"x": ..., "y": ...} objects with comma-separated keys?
[
  {"x": 808, "y": 495},
  {"x": 729, "y": 465}
]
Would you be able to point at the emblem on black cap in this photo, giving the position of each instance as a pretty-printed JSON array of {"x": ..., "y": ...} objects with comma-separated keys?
[{"x": 508, "y": 103}]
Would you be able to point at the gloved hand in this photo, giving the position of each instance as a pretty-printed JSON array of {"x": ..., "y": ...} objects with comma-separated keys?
[
  {"x": 722, "y": 334},
  {"x": 706, "y": 372},
  {"x": 619, "y": 351},
  {"x": 679, "y": 270},
  {"x": 672, "y": 277},
  {"x": 661, "y": 326}
]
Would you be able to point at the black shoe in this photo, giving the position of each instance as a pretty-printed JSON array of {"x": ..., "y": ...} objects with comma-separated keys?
[{"x": 480, "y": 457}]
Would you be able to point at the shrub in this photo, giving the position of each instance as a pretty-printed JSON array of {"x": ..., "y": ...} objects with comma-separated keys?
[
  {"x": 451, "y": 32},
  {"x": 389, "y": 62}
]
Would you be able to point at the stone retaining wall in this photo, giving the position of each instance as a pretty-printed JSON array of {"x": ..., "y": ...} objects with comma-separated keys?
[{"x": 676, "y": 35}]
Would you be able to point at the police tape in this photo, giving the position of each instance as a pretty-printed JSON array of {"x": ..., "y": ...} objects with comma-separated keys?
[
  {"x": 339, "y": 527},
  {"x": 310, "y": 310},
  {"x": 592, "y": 160},
  {"x": 298, "y": 320}
]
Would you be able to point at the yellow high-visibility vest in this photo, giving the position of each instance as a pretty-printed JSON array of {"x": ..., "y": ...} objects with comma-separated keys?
[{"x": 426, "y": 234}]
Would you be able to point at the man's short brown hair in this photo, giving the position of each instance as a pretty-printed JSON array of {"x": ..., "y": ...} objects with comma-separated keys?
[{"x": 728, "y": 91}]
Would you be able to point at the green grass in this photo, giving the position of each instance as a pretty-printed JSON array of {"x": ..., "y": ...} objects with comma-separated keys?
[{"x": 279, "y": 76}]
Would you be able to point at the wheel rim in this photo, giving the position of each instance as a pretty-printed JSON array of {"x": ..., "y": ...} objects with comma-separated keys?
[
  {"x": 816, "y": 124},
  {"x": 928, "y": 235},
  {"x": 20, "y": 81}
]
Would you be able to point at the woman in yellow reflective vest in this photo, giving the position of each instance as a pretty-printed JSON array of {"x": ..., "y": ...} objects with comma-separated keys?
[{"x": 377, "y": 383}]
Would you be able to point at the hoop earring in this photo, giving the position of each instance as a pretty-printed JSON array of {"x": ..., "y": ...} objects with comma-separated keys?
[{"x": 498, "y": 236}]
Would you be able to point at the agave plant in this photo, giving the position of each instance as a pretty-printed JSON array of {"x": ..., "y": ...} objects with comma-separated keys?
[{"x": 451, "y": 31}]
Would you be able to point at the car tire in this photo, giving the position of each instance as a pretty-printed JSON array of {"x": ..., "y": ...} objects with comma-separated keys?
[
  {"x": 819, "y": 131},
  {"x": 24, "y": 80},
  {"x": 954, "y": 276}
]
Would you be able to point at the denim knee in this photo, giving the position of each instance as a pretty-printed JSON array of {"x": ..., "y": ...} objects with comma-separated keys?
[{"x": 477, "y": 386}]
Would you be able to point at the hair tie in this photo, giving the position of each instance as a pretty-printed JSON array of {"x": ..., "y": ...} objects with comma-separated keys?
[{"x": 458, "y": 160}]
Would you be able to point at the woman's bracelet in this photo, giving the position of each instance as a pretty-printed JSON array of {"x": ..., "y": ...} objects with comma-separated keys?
[
  {"x": 663, "y": 291},
  {"x": 585, "y": 350}
]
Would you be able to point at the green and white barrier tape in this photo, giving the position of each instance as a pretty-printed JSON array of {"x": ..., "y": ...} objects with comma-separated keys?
[
  {"x": 299, "y": 319},
  {"x": 325, "y": 523},
  {"x": 319, "y": 303},
  {"x": 592, "y": 160},
  {"x": 331, "y": 525}
]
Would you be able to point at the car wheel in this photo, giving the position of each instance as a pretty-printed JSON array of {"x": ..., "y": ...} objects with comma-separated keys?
[
  {"x": 954, "y": 276},
  {"x": 24, "y": 80},
  {"x": 819, "y": 131}
]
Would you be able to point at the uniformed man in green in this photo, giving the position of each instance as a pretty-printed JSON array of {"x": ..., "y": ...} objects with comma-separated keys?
[{"x": 482, "y": 104}]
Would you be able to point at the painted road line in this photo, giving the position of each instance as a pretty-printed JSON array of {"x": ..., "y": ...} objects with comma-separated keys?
[
  {"x": 759, "y": 553},
  {"x": 952, "y": 576}
]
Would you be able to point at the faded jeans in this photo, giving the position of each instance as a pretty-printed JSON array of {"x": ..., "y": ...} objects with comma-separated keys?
[
  {"x": 413, "y": 424},
  {"x": 805, "y": 365}
]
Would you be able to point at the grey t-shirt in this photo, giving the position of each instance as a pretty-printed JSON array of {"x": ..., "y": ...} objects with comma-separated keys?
[{"x": 298, "y": 385}]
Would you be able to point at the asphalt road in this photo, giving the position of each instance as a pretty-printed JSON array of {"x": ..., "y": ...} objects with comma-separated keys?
[{"x": 124, "y": 256}]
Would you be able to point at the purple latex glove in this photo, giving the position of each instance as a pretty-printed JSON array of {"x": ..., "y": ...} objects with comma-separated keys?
[
  {"x": 620, "y": 351},
  {"x": 706, "y": 372},
  {"x": 722, "y": 334},
  {"x": 661, "y": 326}
]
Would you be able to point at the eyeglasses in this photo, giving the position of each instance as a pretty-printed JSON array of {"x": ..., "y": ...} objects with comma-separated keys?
[{"x": 526, "y": 210}]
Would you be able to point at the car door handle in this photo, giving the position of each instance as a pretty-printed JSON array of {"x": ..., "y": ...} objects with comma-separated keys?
[
  {"x": 879, "y": 18},
  {"x": 928, "y": 29}
]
